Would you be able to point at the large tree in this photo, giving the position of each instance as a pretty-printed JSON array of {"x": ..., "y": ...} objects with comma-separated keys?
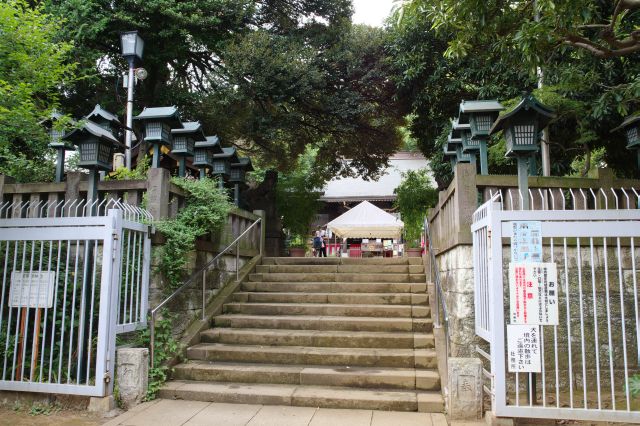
[
  {"x": 492, "y": 50},
  {"x": 271, "y": 76},
  {"x": 33, "y": 69}
]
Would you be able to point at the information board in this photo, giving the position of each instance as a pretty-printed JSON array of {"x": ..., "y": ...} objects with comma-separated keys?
[
  {"x": 523, "y": 346},
  {"x": 533, "y": 293},
  {"x": 526, "y": 241},
  {"x": 32, "y": 289}
]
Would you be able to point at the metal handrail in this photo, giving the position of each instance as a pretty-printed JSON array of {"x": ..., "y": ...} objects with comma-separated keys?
[
  {"x": 191, "y": 279},
  {"x": 440, "y": 300}
]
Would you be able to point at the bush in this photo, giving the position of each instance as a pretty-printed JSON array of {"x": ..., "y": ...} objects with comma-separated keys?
[{"x": 414, "y": 196}]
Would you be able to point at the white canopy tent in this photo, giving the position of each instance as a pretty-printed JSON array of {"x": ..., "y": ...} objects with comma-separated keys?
[{"x": 366, "y": 221}]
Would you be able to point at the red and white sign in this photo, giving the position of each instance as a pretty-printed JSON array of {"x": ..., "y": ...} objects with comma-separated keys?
[{"x": 533, "y": 293}]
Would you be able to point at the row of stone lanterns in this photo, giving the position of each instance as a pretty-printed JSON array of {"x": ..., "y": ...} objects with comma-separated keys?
[{"x": 97, "y": 139}]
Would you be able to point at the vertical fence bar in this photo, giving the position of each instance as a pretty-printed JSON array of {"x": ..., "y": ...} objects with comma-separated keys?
[
  {"x": 55, "y": 309},
  {"x": 606, "y": 282},
  {"x": 73, "y": 310},
  {"x": 584, "y": 362},
  {"x": 595, "y": 322},
  {"x": 93, "y": 292},
  {"x": 46, "y": 314},
  {"x": 567, "y": 296},
  {"x": 635, "y": 297},
  {"x": 624, "y": 332}
]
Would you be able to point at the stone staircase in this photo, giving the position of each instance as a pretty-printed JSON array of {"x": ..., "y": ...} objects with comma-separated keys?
[{"x": 320, "y": 332}]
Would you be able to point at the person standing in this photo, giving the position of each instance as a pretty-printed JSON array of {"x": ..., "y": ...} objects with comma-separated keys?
[{"x": 319, "y": 245}]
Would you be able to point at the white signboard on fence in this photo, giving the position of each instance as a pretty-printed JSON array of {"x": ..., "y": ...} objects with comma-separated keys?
[
  {"x": 533, "y": 293},
  {"x": 526, "y": 241},
  {"x": 523, "y": 346},
  {"x": 32, "y": 289}
]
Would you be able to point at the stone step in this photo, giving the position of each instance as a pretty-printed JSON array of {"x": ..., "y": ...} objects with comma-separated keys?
[
  {"x": 347, "y": 310},
  {"x": 338, "y": 277},
  {"x": 361, "y": 357},
  {"x": 339, "y": 323},
  {"x": 334, "y": 287},
  {"x": 358, "y": 377},
  {"x": 319, "y": 338},
  {"x": 304, "y": 396},
  {"x": 351, "y": 269},
  {"x": 350, "y": 298},
  {"x": 342, "y": 261}
]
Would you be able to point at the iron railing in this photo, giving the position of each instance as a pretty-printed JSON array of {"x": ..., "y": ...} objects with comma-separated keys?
[
  {"x": 441, "y": 304},
  {"x": 192, "y": 279}
]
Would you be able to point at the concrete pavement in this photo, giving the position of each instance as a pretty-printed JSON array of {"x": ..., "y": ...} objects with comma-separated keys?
[{"x": 168, "y": 412}]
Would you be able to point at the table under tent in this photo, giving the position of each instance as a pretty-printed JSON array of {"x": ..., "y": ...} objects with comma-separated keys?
[{"x": 367, "y": 230}]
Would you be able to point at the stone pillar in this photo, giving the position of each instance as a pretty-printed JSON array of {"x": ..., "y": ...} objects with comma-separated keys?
[
  {"x": 72, "y": 191},
  {"x": 158, "y": 193},
  {"x": 465, "y": 389},
  {"x": 4, "y": 179},
  {"x": 263, "y": 229},
  {"x": 467, "y": 200},
  {"x": 132, "y": 370},
  {"x": 605, "y": 180}
]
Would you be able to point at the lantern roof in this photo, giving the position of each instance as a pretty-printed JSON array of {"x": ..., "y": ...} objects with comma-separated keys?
[
  {"x": 54, "y": 116},
  {"x": 169, "y": 115},
  {"x": 527, "y": 105},
  {"x": 245, "y": 163},
  {"x": 632, "y": 119},
  {"x": 100, "y": 112},
  {"x": 229, "y": 153},
  {"x": 192, "y": 129},
  {"x": 90, "y": 128},
  {"x": 210, "y": 142},
  {"x": 471, "y": 107}
]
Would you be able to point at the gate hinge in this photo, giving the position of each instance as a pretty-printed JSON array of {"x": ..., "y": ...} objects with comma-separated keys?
[{"x": 107, "y": 377}]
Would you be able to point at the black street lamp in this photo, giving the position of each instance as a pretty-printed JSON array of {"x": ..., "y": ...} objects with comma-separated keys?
[
  {"x": 203, "y": 154},
  {"x": 132, "y": 47},
  {"x": 522, "y": 126},
  {"x": 238, "y": 176},
  {"x": 184, "y": 141},
  {"x": 480, "y": 115},
  {"x": 157, "y": 123},
  {"x": 631, "y": 126}
]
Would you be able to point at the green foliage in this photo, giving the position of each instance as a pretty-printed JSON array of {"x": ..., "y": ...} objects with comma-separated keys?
[
  {"x": 32, "y": 71},
  {"x": 271, "y": 76},
  {"x": 634, "y": 385},
  {"x": 140, "y": 171},
  {"x": 298, "y": 193},
  {"x": 449, "y": 50},
  {"x": 414, "y": 196},
  {"x": 166, "y": 348},
  {"x": 206, "y": 210},
  {"x": 43, "y": 409}
]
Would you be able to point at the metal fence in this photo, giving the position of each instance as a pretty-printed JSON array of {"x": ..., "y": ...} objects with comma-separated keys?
[
  {"x": 590, "y": 359},
  {"x": 73, "y": 275}
]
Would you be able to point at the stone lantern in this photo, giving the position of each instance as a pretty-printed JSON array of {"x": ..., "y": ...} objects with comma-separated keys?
[
  {"x": 157, "y": 123},
  {"x": 480, "y": 115},
  {"x": 238, "y": 176},
  {"x": 521, "y": 127},
  {"x": 461, "y": 137},
  {"x": 184, "y": 141},
  {"x": 203, "y": 153},
  {"x": 96, "y": 146},
  {"x": 631, "y": 126},
  {"x": 56, "y": 142},
  {"x": 222, "y": 164}
]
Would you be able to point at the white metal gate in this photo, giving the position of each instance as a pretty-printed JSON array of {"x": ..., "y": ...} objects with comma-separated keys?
[
  {"x": 73, "y": 275},
  {"x": 589, "y": 359}
]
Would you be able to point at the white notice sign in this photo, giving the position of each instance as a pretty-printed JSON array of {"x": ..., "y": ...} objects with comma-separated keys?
[
  {"x": 526, "y": 241},
  {"x": 32, "y": 289},
  {"x": 533, "y": 293},
  {"x": 523, "y": 345}
]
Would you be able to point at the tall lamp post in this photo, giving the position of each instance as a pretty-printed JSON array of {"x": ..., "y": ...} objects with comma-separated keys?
[
  {"x": 132, "y": 47},
  {"x": 521, "y": 127}
]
